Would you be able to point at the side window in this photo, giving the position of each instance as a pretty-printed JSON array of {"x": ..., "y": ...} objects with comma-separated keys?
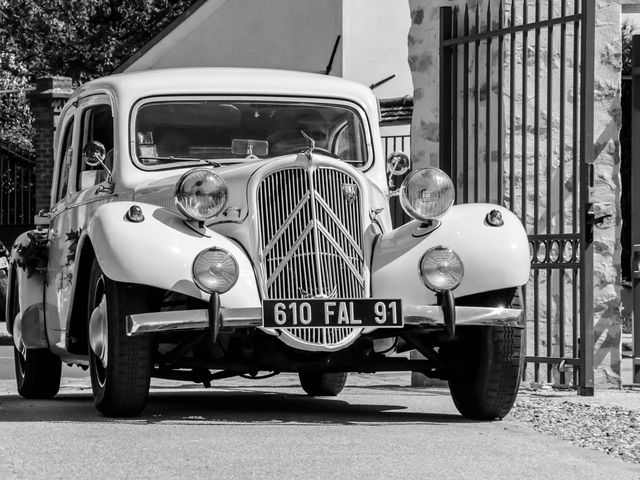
[
  {"x": 66, "y": 155},
  {"x": 97, "y": 125}
]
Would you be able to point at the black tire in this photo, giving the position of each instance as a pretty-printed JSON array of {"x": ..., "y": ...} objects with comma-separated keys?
[
  {"x": 37, "y": 373},
  {"x": 488, "y": 364},
  {"x": 3, "y": 295},
  {"x": 38, "y": 370},
  {"x": 323, "y": 384},
  {"x": 121, "y": 388}
]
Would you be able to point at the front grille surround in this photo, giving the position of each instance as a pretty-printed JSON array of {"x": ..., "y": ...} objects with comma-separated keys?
[{"x": 309, "y": 242}]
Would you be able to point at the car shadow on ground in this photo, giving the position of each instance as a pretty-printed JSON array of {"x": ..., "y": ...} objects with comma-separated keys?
[{"x": 240, "y": 406}]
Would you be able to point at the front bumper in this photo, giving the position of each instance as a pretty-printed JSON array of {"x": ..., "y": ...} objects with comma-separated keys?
[{"x": 414, "y": 315}]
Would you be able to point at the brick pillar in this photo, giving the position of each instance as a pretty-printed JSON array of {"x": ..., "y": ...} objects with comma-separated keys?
[{"x": 46, "y": 103}]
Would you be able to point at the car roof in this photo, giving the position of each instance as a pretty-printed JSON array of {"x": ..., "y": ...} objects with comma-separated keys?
[{"x": 233, "y": 81}]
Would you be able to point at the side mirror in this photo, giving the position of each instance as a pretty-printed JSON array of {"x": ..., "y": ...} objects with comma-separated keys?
[
  {"x": 94, "y": 154},
  {"x": 398, "y": 163}
]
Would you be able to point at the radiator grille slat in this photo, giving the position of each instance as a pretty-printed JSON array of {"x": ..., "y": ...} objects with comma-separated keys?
[{"x": 310, "y": 231}]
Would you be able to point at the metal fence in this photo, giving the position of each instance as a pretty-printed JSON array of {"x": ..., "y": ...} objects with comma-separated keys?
[
  {"x": 517, "y": 129},
  {"x": 17, "y": 191},
  {"x": 396, "y": 143}
]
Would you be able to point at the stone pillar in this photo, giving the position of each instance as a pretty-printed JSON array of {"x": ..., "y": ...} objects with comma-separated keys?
[
  {"x": 46, "y": 103},
  {"x": 607, "y": 121}
]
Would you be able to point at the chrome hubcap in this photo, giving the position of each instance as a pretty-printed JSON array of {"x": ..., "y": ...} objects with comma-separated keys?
[{"x": 98, "y": 333}]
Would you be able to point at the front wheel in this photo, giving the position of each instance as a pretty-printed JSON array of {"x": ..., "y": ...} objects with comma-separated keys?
[
  {"x": 120, "y": 366},
  {"x": 487, "y": 366},
  {"x": 323, "y": 384}
]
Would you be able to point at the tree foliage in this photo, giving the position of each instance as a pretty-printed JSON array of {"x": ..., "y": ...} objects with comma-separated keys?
[{"x": 81, "y": 39}]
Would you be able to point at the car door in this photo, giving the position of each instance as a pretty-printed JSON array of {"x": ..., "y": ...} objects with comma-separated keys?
[
  {"x": 88, "y": 187},
  {"x": 65, "y": 151}
]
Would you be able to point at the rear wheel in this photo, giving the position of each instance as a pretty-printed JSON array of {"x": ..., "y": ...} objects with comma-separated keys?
[
  {"x": 37, "y": 373},
  {"x": 37, "y": 370},
  {"x": 323, "y": 384},
  {"x": 486, "y": 373},
  {"x": 120, "y": 366}
]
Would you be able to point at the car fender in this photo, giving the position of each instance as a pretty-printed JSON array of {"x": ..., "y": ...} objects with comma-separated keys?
[
  {"x": 493, "y": 257},
  {"x": 27, "y": 326},
  {"x": 159, "y": 252}
]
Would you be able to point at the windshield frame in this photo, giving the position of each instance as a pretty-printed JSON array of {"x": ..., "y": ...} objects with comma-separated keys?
[{"x": 320, "y": 101}]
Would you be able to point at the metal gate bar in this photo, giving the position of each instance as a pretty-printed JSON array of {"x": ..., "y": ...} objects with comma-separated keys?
[
  {"x": 635, "y": 206},
  {"x": 534, "y": 171}
]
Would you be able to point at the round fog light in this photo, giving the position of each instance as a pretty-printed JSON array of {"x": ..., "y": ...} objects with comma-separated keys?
[
  {"x": 215, "y": 270},
  {"x": 441, "y": 269}
]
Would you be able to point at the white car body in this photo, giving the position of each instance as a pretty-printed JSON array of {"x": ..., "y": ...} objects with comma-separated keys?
[{"x": 159, "y": 251}]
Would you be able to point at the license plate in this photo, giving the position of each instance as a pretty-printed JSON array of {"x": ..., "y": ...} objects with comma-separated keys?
[
  {"x": 3, "y": 263},
  {"x": 332, "y": 313}
]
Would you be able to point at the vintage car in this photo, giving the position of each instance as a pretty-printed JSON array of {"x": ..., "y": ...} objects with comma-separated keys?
[{"x": 208, "y": 223}]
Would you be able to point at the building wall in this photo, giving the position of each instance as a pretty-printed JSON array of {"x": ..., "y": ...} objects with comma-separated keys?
[
  {"x": 375, "y": 44},
  {"x": 287, "y": 34},
  {"x": 295, "y": 35}
]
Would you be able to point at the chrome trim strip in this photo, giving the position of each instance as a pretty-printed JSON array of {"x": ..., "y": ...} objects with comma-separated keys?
[
  {"x": 431, "y": 315},
  {"x": 424, "y": 315},
  {"x": 179, "y": 320}
]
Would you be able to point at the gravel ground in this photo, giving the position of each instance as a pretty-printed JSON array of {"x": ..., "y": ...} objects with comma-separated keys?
[{"x": 609, "y": 422}]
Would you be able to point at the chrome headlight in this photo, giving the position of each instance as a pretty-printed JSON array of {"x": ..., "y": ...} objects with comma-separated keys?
[
  {"x": 426, "y": 194},
  {"x": 441, "y": 269},
  {"x": 201, "y": 194},
  {"x": 215, "y": 270}
]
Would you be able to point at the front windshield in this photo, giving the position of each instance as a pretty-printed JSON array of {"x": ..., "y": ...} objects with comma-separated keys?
[{"x": 169, "y": 134}]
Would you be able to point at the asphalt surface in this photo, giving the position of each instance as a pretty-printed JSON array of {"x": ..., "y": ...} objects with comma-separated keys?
[{"x": 377, "y": 428}]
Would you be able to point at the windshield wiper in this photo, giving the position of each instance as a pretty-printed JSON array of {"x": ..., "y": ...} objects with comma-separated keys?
[{"x": 213, "y": 163}]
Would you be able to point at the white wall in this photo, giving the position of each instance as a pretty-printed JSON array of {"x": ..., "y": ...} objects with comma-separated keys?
[
  {"x": 288, "y": 34},
  {"x": 375, "y": 44}
]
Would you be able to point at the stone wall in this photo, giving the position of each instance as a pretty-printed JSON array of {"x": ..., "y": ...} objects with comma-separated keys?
[
  {"x": 423, "y": 44},
  {"x": 606, "y": 195}
]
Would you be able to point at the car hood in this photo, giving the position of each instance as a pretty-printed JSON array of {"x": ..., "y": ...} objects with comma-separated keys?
[{"x": 160, "y": 190}]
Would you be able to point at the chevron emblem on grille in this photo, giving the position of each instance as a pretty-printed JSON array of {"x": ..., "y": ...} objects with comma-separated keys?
[
  {"x": 309, "y": 229},
  {"x": 311, "y": 240}
]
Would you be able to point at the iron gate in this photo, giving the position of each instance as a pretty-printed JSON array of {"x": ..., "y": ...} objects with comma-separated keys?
[{"x": 516, "y": 128}]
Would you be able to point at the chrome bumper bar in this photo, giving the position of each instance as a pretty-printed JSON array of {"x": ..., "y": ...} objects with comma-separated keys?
[{"x": 415, "y": 315}]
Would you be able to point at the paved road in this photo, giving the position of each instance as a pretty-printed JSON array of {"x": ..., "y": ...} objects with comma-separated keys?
[{"x": 378, "y": 428}]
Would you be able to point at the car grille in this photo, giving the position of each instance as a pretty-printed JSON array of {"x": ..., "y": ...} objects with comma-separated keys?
[{"x": 310, "y": 240}]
